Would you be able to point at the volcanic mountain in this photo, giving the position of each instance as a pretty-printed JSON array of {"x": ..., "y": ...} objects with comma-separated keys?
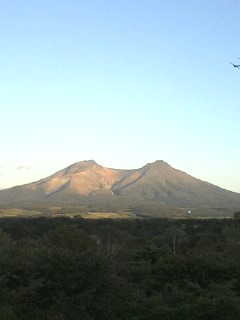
[{"x": 156, "y": 182}]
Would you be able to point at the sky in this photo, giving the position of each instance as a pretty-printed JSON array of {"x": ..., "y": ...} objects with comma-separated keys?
[{"x": 123, "y": 83}]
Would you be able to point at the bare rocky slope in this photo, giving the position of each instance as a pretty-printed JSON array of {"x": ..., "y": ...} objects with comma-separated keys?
[{"x": 156, "y": 183}]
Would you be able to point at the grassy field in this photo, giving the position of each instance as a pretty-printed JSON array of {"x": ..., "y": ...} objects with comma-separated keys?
[
  {"x": 61, "y": 212},
  {"x": 17, "y": 212},
  {"x": 73, "y": 212}
]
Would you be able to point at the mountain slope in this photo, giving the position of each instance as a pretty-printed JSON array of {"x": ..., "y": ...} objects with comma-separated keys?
[
  {"x": 159, "y": 181},
  {"x": 83, "y": 178},
  {"x": 156, "y": 182}
]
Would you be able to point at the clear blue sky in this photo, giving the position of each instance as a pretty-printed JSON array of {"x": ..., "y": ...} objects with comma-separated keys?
[{"x": 121, "y": 82}]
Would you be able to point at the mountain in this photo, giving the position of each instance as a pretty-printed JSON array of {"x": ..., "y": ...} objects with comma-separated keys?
[{"x": 88, "y": 182}]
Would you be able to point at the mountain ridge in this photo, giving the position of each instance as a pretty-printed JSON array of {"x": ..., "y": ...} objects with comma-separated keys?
[{"x": 156, "y": 182}]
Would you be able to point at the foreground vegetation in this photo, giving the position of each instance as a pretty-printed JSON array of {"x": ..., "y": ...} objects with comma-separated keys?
[{"x": 62, "y": 268}]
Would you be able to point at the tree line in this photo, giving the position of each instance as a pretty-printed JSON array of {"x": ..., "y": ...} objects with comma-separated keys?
[{"x": 119, "y": 269}]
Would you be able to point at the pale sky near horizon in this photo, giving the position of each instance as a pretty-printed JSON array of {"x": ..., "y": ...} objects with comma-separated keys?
[{"x": 121, "y": 82}]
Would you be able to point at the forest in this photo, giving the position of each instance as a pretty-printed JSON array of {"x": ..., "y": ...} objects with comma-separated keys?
[{"x": 106, "y": 269}]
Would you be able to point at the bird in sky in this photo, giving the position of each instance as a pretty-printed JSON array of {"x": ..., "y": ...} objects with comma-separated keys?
[{"x": 235, "y": 65}]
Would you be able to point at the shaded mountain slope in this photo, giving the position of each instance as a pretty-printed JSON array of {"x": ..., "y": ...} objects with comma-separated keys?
[{"x": 159, "y": 181}]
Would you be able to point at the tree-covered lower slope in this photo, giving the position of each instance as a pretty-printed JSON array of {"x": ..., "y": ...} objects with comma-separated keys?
[{"x": 132, "y": 270}]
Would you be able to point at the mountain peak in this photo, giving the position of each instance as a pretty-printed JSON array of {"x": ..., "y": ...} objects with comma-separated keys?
[
  {"x": 86, "y": 163},
  {"x": 80, "y": 166},
  {"x": 158, "y": 163}
]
